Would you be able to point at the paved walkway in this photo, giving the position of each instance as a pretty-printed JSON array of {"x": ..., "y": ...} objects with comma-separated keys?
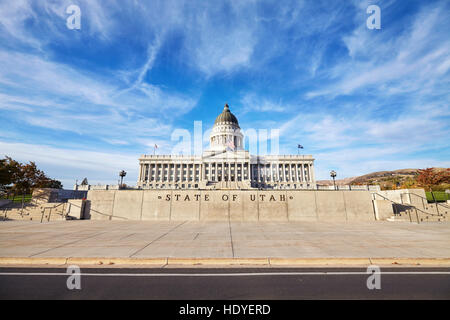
[{"x": 140, "y": 239}]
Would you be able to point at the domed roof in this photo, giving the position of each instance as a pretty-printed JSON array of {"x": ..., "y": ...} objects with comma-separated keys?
[{"x": 226, "y": 117}]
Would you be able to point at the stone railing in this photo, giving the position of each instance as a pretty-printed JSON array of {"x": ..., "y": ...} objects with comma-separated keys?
[
  {"x": 350, "y": 187},
  {"x": 96, "y": 187}
]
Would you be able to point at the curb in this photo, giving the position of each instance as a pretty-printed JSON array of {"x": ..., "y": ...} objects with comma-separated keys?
[
  {"x": 225, "y": 261},
  {"x": 218, "y": 261},
  {"x": 319, "y": 261}
]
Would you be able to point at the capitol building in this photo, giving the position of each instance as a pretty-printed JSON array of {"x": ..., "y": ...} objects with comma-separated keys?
[{"x": 226, "y": 165}]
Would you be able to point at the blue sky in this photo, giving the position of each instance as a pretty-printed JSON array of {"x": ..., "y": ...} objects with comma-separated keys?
[{"x": 87, "y": 103}]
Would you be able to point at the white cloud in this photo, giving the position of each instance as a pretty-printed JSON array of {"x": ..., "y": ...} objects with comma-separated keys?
[
  {"x": 413, "y": 61},
  {"x": 215, "y": 43},
  {"x": 254, "y": 102},
  {"x": 68, "y": 165}
]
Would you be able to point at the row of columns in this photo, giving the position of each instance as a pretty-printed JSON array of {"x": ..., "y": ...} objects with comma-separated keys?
[
  {"x": 223, "y": 171},
  {"x": 296, "y": 172},
  {"x": 170, "y": 172},
  {"x": 195, "y": 172},
  {"x": 227, "y": 170}
]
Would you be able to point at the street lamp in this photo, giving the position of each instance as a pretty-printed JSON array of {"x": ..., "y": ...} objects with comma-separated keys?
[
  {"x": 333, "y": 175},
  {"x": 122, "y": 174}
]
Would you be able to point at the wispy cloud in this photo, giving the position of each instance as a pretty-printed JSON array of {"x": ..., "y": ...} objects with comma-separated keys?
[
  {"x": 357, "y": 99},
  {"x": 71, "y": 164},
  {"x": 416, "y": 61}
]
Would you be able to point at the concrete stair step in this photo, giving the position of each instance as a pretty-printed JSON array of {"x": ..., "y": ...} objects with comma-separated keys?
[
  {"x": 397, "y": 218},
  {"x": 33, "y": 215}
]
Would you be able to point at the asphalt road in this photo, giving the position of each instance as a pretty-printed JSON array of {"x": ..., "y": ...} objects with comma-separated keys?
[{"x": 224, "y": 283}]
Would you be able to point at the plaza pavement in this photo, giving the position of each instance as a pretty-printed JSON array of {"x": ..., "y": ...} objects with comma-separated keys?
[{"x": 223, "y": 243}]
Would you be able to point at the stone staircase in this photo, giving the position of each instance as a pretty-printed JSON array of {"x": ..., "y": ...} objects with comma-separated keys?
[
  {"x": 415, "y": 208},
  {"x": 430, "y": 213},
  {"x": 33, "y": 212}
]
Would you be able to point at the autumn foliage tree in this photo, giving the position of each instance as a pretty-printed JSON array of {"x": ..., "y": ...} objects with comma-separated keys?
[
  {"x": 429, "y": 177},
  {"x": 23, "y": 178}
]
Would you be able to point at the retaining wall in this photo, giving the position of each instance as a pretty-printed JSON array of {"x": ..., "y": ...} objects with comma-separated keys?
[{"x": 224, "y": 205}]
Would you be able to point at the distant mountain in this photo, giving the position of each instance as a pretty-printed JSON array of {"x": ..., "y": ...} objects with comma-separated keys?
[{"x": 379, "y": 177}]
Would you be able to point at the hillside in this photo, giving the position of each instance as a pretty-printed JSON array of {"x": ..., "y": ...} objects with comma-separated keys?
[{"x": 386, "y": 179}]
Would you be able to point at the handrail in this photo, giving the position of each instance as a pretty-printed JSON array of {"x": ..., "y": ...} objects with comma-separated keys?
[
  {"x": 402, "y": 204},
  {"x": 53, "y": 207},
  {"x": 435, "y": 202},
  {"x": 439, "y": 204}
]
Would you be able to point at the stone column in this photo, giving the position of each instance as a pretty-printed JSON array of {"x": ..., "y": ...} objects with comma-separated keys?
[
  {"x": 209, "y": 171},
  {"x": 144, "y": 168},
  {"x": 271, "y": 172},
  {"x": 283, "y": 167},
  {"x": 247, "y": 171},
  {"x": 163, "y": 172},
  {"x": 288, "y": 167},
  {"x": 310, "y": 173},
  {"x": 216, "y": 169},
  {"x": 277, "y": 172},
  {"x": 194, "y": 172}
]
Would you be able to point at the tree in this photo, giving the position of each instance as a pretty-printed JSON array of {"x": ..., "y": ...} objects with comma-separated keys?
[
  {"x": 24, "y": 177},
  {"x": 430, "y": 177},
  {"x": 8, "y": 169},
  {"x": 54, "y": 184}
]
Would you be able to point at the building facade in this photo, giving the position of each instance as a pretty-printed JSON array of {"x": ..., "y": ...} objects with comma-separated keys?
[{"x": 226, "y": 165}]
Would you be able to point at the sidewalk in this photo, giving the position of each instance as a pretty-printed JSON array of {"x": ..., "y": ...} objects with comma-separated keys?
[{"x": 223, "y": 243}]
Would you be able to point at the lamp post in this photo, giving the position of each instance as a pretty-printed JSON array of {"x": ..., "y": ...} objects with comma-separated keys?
[
  {"x": 333, "y": 175},
  {"x": 122, "y": 174}
]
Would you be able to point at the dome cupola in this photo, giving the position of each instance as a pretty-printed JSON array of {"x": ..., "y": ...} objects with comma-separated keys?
[
  {"x": 226, "y": 133},
  {"x": 226, "y": 117}
]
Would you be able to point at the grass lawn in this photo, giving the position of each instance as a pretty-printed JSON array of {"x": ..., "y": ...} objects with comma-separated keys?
[
  {"x": 17, "y": 199},
  {"x": 440, "y": 196}
]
